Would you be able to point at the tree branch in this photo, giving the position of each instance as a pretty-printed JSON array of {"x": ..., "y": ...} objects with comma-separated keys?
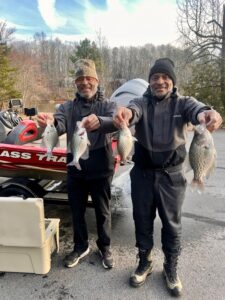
[{"x": 214, "y": 21}]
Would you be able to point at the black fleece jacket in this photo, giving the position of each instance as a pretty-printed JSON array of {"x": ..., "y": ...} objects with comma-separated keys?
[{"x": 100, "y": 162}]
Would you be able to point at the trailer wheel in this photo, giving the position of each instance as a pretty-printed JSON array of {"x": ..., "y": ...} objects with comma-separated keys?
[{"x": 15, "y": 191}]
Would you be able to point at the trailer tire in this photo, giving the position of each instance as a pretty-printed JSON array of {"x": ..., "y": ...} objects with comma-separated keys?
[{"x": 16, "y": 191}]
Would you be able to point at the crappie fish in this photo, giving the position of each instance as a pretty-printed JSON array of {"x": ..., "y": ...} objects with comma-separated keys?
[
  {"x": 79, "y": 146},
  {"x": 50, "y": 138},
  {"x": 125, "y": 142},
  {"x": 202, "y": 156}
]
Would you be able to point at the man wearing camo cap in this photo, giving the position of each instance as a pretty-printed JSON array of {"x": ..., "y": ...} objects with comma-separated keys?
[{"x": 95, "y": 176}]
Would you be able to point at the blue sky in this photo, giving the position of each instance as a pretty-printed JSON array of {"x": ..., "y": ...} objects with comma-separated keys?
[{"x": 121, "y": 22}]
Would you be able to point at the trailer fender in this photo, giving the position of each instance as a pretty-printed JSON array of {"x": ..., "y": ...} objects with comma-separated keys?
[{"x": 21, "y": 187}]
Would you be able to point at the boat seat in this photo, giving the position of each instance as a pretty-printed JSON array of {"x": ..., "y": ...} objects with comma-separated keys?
[
  {"x": 25, "y": 132},
  {"x": 27, "y": 238}
]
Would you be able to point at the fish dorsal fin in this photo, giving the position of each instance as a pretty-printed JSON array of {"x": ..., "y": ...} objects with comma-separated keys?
[
  {"x": 186, "y": 164},
  {"x": 58, "y": 144},
  {"x": 212, "y": 167}
]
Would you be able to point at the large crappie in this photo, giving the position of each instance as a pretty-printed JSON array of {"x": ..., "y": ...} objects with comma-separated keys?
[
  {"x": 79, "y": 146},
  {"x": 202, "y": 156},
  {"x": 125, "y": 142},
  {"x": 50, "y": 138}
]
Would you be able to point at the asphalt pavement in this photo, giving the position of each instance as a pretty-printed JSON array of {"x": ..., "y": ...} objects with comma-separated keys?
[{"x": 201, "y": 265}]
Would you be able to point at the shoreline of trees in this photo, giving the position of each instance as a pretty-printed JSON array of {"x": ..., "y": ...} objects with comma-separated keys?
[{"x": 42, "y": 69}]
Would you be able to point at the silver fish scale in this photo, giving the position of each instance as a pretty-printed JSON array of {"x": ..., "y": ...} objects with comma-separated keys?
[
  {"x": 50, "y": 137},
  {"x": 125, "y": 143},
  {"x": 79, "y": 145},
  {"x": 202, "y": 155}
]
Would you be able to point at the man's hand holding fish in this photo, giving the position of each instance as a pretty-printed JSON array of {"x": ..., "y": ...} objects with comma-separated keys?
[
  {"x": 45, "y": 118},
  {"x": 90, "y": 122},
  {"x": 211, "y": 118}
]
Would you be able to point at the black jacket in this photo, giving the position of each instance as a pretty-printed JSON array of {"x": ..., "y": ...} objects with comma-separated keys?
[
  {"x": 161, "y": 128},
  {"x": 100, "y": 162}
]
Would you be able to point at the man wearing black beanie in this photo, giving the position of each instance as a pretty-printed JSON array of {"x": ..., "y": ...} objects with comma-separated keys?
[
  {"x": 157, "y": 180},
  {"x": 165, "y": 66}
]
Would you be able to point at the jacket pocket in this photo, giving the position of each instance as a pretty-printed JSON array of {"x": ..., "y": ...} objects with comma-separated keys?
[{"x": 177, "y": 178}]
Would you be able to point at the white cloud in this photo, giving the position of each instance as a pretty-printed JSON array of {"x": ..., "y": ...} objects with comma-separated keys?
[
  {"x": 149, "y": 21},
  {"x": 122, "y": 23},
  {"x": 14, "y": 25},
  {"x": 49, "y": 14}
]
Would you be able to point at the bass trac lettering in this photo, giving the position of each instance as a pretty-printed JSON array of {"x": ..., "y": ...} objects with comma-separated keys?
[
  {"x": 15, "y": 154},
  {"x": 27, "y": 155}
]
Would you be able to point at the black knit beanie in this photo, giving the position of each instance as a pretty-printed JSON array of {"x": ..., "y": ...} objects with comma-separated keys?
[{"x": 163, "y": 65}]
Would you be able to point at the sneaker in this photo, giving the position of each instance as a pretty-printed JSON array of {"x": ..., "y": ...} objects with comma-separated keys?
[
  {"x": 107, "y": 258},
  {"x": 173, "y": 282},
  {"x": 72, "y": 259},
  {"x": 144, "y": 268}
]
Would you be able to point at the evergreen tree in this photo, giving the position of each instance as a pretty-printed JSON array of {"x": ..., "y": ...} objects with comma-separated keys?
[
  {"x": 7, "y": 77},
  {"x": 89, "y": 50},
  {"x": 205, "y": 85},
  {"x": 7, "y": 74}
]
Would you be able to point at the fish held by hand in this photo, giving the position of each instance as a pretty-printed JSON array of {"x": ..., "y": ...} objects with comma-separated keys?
[
  {"x": 79, "y": 146},
  {"x": 125, "y": 142},
  {"x": 202, "y": 157},
  {"x": 50, "y": 138}
]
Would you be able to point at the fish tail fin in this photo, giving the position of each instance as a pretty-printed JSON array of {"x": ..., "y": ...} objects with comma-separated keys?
[
  {"x": 74, "y": 163},
  {"x": 49, "y": 152},
  {"x": 197, "y": 185},
  {"x": 77, "y": 165}
]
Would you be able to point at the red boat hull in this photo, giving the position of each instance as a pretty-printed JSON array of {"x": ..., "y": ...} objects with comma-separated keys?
[{"x": 32, "y": 162}]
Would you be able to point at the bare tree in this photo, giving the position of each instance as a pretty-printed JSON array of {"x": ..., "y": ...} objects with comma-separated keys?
[
  {"x": 202, "y": 25},
  {"x": 31, "y": 81},
  {"x": 5, "y": 33},
  {"x": 104, "y": 51}
]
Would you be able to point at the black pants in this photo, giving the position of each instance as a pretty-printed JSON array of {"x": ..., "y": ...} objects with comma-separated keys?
[
  {"x": 100, "y": 191},
  {"x": 164, "y": 191}
]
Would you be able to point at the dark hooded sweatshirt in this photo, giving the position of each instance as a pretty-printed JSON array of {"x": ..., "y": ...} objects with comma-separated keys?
[
  {"x": 161, "y": 128},
  {"x": 100, "y": 162}
]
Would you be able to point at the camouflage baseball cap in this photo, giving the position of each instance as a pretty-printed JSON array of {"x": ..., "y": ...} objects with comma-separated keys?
[{"x": 85, "y": 67}]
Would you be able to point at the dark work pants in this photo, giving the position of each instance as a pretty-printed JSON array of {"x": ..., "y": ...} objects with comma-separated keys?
[
  {"x": 164, "y": 191},
  {"x": 100, "y": 191}
]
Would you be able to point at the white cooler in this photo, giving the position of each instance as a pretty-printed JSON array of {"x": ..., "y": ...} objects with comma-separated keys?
[{"x": 27, "y": 238}]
